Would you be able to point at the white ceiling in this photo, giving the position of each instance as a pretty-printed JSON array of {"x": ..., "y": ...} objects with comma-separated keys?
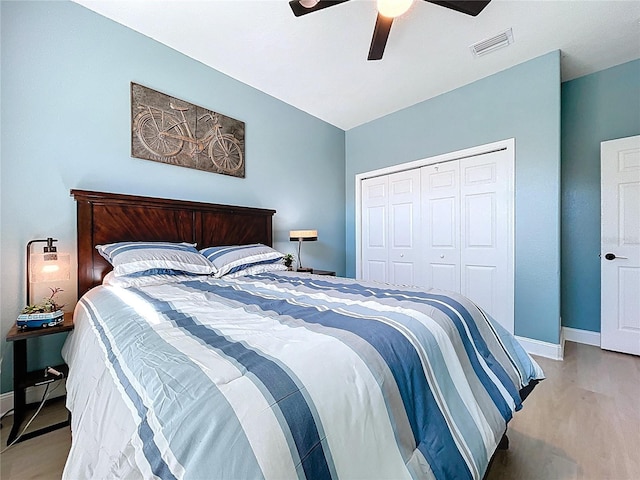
[{"x": 318, "y": 62}]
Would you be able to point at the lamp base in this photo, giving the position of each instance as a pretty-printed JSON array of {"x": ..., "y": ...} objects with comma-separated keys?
[{"x": 305, "y": 269}]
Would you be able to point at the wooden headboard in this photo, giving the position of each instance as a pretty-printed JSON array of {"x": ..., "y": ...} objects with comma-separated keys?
[{"x": 110, "y": 217}]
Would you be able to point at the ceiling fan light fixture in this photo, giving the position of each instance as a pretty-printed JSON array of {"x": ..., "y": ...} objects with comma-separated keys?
[
  {"x": 393, "y": 8},
  {"x": 308, "y": 3}
]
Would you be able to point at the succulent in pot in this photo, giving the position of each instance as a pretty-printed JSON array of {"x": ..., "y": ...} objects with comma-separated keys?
[
  {"x": 288, "y": 260},
  {"x": 48, "y": 305}
]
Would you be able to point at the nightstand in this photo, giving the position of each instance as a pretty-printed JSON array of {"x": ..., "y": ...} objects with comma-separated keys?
[
  {"x": 23, "y": 379},
  {"x": 324, "y": 272}
]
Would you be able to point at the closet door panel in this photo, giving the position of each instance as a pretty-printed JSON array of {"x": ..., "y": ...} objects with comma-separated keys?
[
  {"x": 480, "y": 221},
  {"x": 401, "y": 261},
  {"x": 404, "y": 208},
  {"x": 480, "y": 286},
  {"x": 440, "y": 225},
  {"x": 446, "y": 277},
  {"x": 376, "y": 271},
  {"x": 485, "y": 227},
  {"x": 443, "y": 230},
  {"x": 404, "y": 205},
  {"x": 375, "y": 252}
]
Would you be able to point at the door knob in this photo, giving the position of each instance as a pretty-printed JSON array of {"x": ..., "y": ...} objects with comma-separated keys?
[{"x": 612, "y": 256}]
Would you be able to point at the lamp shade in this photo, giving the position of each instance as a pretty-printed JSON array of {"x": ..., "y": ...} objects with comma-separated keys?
[
  {"x": 49, "y": 267},
  {"x": 303, "y": 235}
]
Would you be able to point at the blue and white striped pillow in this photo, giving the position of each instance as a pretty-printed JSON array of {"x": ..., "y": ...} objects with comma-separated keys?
[
  {"x": 135, "y": 258},
  {"x": 256, "y": 269},
  {"x": 233, "y": 258}
]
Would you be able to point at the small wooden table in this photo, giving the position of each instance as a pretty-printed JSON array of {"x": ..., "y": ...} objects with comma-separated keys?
[{"x": 23, "y": 379}]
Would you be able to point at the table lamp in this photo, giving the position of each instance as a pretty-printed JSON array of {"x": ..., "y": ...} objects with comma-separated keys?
[
  {"x": 48, "y": 266},
  {"x": 303, "y": 236}
]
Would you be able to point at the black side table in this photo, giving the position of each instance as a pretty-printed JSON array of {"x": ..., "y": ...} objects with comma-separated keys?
[
  {"x": 323, "y": 272},
  {"x": 23, "y": 379}
]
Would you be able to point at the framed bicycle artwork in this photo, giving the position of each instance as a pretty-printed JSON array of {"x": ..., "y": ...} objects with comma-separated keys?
[{"x": 168, "y": 130}]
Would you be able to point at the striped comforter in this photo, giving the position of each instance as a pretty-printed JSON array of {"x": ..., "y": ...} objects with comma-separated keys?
[{"x": 284, "y": 376}]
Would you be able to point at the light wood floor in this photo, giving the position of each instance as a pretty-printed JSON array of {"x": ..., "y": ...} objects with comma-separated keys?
[
  {"x": 582, "y": 422},
  {"x": 41, "y": 457}
]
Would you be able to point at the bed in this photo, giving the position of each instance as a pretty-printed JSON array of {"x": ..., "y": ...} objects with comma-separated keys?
[{"x": 265, "y": 373}]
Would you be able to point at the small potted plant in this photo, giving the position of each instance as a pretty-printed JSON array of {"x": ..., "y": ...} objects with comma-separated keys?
[
  {"x": 46, "y": 314},
  {"x": 288, "y": 261}
]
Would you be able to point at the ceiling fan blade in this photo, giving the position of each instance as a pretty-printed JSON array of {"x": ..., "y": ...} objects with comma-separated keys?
[
  {"x": 380, "y": 35},
  {"x": 299, "y": 9},
  {"x": 470, "y": 7}
]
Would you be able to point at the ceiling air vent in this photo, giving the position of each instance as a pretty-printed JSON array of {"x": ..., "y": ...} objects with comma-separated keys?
[{"x": 494, "y": 43}]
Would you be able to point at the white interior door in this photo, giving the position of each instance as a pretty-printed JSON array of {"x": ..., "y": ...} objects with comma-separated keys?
[
  {"x": 375, "y": 253},
  {"x": 620, "y": 245},
  {"x": 404, "y": 225},
  {"x": 486, "y": 276},
  {"x": 441, "y": 225}
]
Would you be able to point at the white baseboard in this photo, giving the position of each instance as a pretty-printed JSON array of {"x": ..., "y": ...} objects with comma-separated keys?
[
  {"x": 543, "y": 349},
  {"x": 34, "y": 395},
  {"x": 581, "y": 336}
]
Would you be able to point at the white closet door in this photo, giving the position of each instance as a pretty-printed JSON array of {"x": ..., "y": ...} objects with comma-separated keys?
[
  {"x": 441, "y": 226},
  {"x": 375, "y": 215},
  {"x": 404, "y": 228},
  {"x": 485, "y": 199},
  {"x": 446, "y": 225}
]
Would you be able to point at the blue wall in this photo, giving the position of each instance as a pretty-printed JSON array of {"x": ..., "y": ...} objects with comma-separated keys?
[
  {"x": 522, "y": 102},
  {"x": 66, "y": 74},
  {"x": 65, "y": 124},
  {"x": 597, "y": 107}
]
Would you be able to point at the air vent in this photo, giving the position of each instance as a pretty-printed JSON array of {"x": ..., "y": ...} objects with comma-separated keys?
[{"x": 491, "y": 44}]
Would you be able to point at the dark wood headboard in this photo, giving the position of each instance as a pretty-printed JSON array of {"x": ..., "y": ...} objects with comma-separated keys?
[{"x": 110, "y": 217}]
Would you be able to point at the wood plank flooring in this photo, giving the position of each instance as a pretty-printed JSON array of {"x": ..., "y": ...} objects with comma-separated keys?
[
  {"x": 582, "y": 422},
  {"x": 41, "y": 457}
]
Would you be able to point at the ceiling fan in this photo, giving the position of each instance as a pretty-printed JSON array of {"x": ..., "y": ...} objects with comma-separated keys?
[{"x": 387, "y": 11}]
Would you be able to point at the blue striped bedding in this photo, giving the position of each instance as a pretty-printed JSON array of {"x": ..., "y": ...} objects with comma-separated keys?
[{"x": 284, "y": 375}]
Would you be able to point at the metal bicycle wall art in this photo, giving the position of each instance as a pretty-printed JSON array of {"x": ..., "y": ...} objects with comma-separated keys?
[{"x": 168, "y": 130}]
